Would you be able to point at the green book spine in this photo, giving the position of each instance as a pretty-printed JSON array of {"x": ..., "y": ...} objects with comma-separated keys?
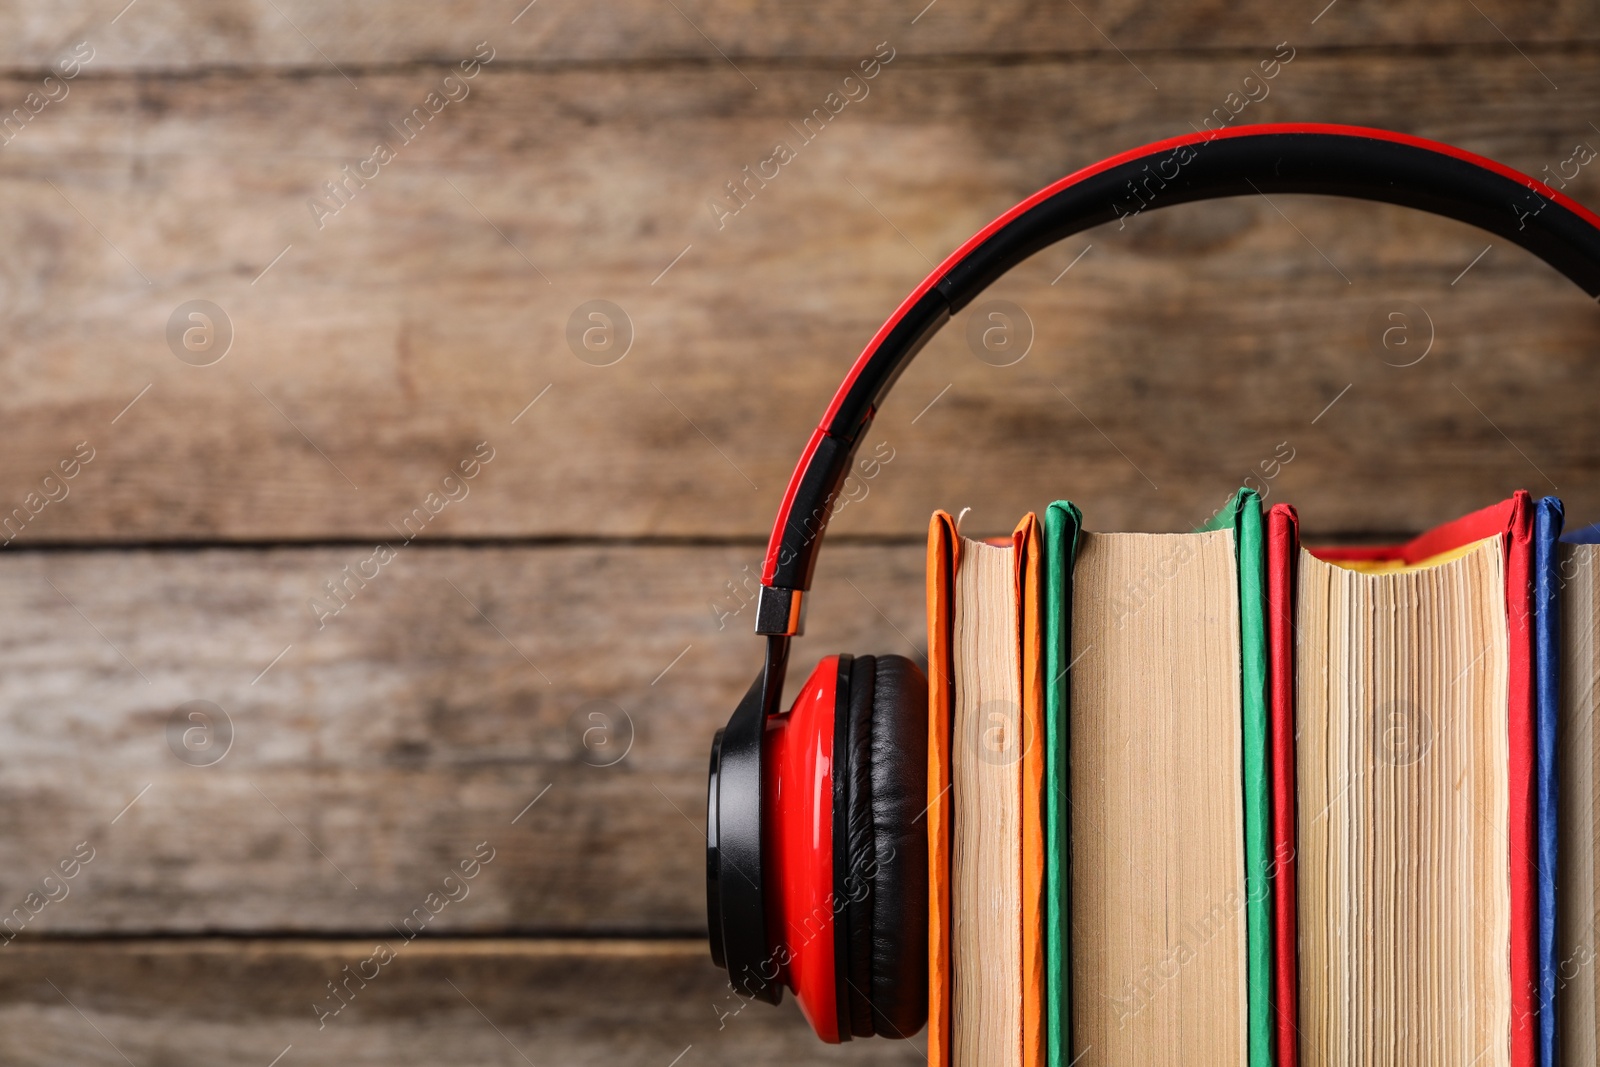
[
  {"x": 1243, "y": 516},
  {"x": 1062, "y": 522}
]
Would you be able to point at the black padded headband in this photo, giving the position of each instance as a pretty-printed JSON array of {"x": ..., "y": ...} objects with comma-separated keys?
[{"x": 1347, "y": 161}]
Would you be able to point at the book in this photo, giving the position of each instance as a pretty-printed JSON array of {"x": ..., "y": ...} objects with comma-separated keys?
[
  {"x": 986, "y": 815},
  {"x": 1577, "y": 992},
  {"x": 1415, "y": 854},
  {"x": 1161, "y": 862}
]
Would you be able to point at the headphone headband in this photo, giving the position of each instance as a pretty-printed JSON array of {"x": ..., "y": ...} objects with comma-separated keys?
[{"x": 1349, "y": 161}]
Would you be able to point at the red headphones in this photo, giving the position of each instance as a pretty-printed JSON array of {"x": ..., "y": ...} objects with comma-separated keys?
[{"x": 816, "y": 858}]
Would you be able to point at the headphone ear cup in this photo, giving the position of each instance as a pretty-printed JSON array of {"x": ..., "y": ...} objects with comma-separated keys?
[{"x": 883, "y": 891}]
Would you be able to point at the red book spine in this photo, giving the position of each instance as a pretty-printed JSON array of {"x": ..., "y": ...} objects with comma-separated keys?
[
  {"x": 1283, "y": 543},
  {"x": 1519, "y": 617}
]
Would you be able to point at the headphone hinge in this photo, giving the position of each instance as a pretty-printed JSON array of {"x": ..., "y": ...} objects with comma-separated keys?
[{"x": 780, "y": 612}]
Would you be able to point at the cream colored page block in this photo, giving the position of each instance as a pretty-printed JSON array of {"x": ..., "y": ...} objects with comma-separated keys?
[
  {"x": 1158, "y": 893},
  {"x": 1402, "y": 757},
  {"x": 986, "y": 787},
  {"x": 1578, "y": 820}
]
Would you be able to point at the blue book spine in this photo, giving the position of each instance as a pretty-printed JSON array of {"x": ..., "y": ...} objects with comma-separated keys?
[{"x": 1547, "y": 519}]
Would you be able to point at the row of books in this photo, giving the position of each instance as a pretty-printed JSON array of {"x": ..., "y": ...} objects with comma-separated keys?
[{"x": 1215, "y": 798}]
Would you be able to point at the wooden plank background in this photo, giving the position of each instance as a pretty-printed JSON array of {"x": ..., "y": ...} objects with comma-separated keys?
[{"x": 598, "y": 563}]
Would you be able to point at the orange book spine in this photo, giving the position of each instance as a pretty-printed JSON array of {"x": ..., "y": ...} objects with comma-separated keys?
[
  {"x": 1030, "y": 616},
  {"x": 943, "y": 547}
]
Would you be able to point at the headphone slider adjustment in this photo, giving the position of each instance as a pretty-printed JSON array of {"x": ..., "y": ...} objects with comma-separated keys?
[{"x": 780, "y": 612}]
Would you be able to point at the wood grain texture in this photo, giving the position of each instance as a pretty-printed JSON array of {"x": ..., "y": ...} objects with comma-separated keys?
[
  {"x": 423, "y": 317},
  {"x": 492, "y": 1002},
  {"x": 378, "y": 753},
  {"x": 301, "y": 34},
  {"x": 471, "y": 697}
]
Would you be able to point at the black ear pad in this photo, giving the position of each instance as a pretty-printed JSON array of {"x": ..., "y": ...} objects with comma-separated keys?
[
  {"x": 859, "y": 859},
  {"x": 883, "y": 902}
]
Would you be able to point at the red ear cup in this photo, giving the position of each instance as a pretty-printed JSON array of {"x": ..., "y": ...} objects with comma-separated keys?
[
  {"x": 834, "y": 861},
  {"x": 844, "y": 788},
  {"x": 797, "y": 816}
]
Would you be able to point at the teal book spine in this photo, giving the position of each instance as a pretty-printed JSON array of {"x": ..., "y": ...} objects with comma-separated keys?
[{"x": 1062, "y": 524}]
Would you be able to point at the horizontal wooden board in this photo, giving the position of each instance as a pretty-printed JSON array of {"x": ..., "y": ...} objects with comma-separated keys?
[
  {"x": 370, "y": 356},
  {"x": 554, "y": 706},
  {"x": 343, "y": 40},
  {"x": 330, "y": 38},
  {"x": 239, "y": 1004}
]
